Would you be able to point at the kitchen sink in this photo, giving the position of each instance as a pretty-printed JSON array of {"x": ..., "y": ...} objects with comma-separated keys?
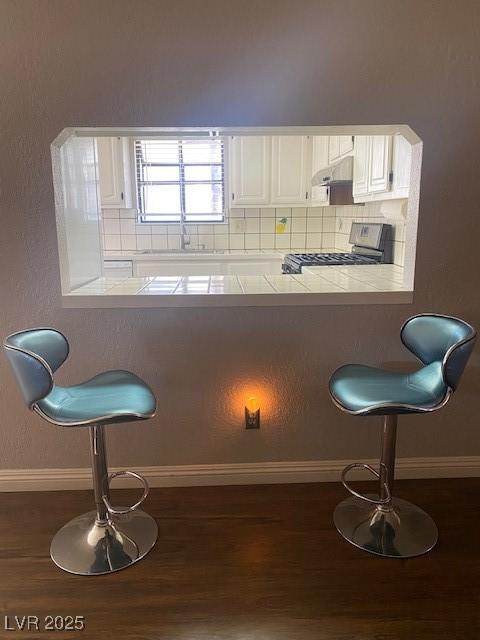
[{"x": 179, "y": 252}]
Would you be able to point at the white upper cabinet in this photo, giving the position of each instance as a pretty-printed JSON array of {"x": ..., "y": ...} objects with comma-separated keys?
[
  {"x": 379, "y": 164},
  {"x": 319, "y": 153},
  {"x": 114, "y": 172},
  {"x": 381, "y": 168},
  {"x": 338, "y": 147},
  {"x": 401, "y": 167},
  {"x": 110, "y": 171},
  {"x": 250, "y": 170},
  {"x": 319, "y": 195},
  {"x": 270, "y": 171},
  {"x": 345, "y": 145},
  {"x": 360, "y": 166},
  {"x": 290, "y": 159}
]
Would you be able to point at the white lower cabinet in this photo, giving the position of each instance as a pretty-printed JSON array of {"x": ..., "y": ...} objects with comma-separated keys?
[
  {"x": 117, "y": 268},
  {"x": 213, "y": 265}
]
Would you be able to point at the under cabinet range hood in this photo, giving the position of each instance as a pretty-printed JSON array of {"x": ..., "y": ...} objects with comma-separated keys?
[{"x": 338, "y": 177}]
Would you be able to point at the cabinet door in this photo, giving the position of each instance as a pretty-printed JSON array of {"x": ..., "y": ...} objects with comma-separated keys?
[
  {"x": 360, "y": 167},
  {"x": 110, "y": 172},
  {"x": 289, "y": 170},
  {"x": 379, "y": 164},
  {"x": 319, "y": 153},
  {"x": 333, "y": 149},
  {"x": 319, "y": 195},
  {"x": 338, "y": 147},
  {"x": 345, "y": 145},
  {"x": 401, "y": 166},
  {"x": 250, "y": 162}
]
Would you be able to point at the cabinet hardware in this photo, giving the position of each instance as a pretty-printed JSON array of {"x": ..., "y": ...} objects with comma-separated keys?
[
  {"x": 121, "y": 196},
  {"x": 390, "y": 176},
  {"x": 233, "y": 196},
  {"x": 306, "y": 195}
]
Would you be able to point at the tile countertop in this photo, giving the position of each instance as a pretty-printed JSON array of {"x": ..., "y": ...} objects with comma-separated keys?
[{"x": 327, "y": 285}]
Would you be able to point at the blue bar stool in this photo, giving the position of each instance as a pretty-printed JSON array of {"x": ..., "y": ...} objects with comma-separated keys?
[
  {"x": 382, "y": 524},
  {"x": 109, "y": 538}
]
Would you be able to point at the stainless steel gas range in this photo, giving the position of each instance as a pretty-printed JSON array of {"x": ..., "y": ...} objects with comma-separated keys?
[{"x": 372, "y": 244}]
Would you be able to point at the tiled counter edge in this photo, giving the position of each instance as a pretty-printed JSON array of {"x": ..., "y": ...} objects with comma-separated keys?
[{"x": 236, "y": 300}]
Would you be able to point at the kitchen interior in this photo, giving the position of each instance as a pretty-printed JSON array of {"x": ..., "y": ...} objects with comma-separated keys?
[{"x": 211, "y": 213}]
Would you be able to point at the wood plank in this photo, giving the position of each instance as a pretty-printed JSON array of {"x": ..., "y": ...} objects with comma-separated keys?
[{"x": 250, "y": 563}]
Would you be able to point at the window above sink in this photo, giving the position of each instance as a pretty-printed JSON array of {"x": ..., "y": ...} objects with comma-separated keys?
[{"x": 180, "y": 179}]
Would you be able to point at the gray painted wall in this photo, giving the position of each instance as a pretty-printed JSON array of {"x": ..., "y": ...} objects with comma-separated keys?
[{"x": 134, "y": 63}]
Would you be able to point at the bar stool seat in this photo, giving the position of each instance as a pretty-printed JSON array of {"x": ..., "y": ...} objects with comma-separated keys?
[
  {"x": 361, "y": 389},
  {"x": 109, "y": 397}
]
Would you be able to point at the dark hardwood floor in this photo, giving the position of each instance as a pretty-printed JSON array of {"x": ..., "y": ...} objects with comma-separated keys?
[{"x": 250, "y": 563}]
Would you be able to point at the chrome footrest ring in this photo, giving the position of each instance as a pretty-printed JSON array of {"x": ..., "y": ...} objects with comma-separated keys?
[
  {"x": 367, "y": 467},
  {"x": 121, "y": 512}
]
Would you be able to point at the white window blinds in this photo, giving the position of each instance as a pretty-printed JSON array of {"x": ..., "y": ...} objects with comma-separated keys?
[{"x": 181, "y": 179}]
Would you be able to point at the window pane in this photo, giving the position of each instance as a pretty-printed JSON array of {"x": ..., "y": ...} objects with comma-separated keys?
[
  {"x": 202, "y": 151},
  {"x": 161, "y": 174},
  {"x": 204, "y": 217},
  {"x": 162, "y": 151},
  {"x": 203, "y": 198},
  {"x": 161, "y": 199},
  {"x": 193, "y": 172},
  {"x": 162, "y": 217}
]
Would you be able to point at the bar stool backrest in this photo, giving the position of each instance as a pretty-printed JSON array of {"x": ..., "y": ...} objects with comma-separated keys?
[
  {"x": 35, "y": 354},
  {"x": 437, "y": 338}
]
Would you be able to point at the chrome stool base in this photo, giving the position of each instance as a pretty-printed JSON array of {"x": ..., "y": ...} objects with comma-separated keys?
[
  {"x": 87, "y": 547},
  {"x": 404, "y": 531}
]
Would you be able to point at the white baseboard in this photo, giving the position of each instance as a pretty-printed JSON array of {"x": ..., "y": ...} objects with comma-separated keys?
[{"x": 243, "y": 473}]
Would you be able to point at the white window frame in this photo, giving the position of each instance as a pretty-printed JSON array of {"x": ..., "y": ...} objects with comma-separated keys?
[{"x": 143, "y": 219}]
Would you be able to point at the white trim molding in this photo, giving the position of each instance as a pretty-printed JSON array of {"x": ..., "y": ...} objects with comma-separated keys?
[{"x": 240, "y": 473}]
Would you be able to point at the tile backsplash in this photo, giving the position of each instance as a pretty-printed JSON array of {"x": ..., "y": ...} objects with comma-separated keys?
[{"x": 297, "y": 229}]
